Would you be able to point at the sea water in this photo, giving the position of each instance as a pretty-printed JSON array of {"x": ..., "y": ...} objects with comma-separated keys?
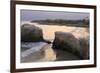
[{"x": 32, "y": 47}]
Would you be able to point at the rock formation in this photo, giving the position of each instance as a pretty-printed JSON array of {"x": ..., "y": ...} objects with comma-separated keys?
[
  {"x": 31, "y": 33},
  {"x": 68, "y": 42}
]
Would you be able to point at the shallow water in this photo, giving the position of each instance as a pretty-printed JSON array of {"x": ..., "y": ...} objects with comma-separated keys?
[{"x": 32, "y": 47}]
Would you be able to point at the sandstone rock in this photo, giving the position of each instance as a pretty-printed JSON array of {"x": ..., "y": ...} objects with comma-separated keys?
[
  {"x": 68, "y": 42},
  {"x": 31, "y": 33}
]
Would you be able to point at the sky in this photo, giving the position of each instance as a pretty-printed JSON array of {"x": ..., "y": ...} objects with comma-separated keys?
[{"x": 29, "y": 15}]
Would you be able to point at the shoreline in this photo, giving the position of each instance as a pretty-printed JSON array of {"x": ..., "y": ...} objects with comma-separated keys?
[
  {"x": 48, "y": 34},
  {"x": 47, "y": 54}
]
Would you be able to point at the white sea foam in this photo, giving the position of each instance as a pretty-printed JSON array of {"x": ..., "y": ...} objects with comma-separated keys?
[{"x": 34, "y": 47}]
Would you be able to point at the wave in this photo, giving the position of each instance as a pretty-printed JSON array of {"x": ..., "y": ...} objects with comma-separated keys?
[{"x": 33, "y": 47}]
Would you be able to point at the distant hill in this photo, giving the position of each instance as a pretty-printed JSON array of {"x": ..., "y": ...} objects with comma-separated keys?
[{"x": 77, "y": 23}]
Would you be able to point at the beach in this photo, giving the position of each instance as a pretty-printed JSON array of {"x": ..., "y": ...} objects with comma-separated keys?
[{"x": 47, "y": 53}]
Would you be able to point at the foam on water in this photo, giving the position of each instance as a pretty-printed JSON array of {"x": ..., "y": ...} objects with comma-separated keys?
[{"x": 33, "y": 47}]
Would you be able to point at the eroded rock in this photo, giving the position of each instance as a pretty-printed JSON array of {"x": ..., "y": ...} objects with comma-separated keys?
[
  {"x": 31, "y": 33},
  {"x": 68, "y": 42}
]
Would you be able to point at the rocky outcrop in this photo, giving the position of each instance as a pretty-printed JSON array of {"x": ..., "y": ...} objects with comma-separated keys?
[
  {"x": 84, "y": 44},
  {"x": 68, "y": 42},
  {"x": 31, "y": 33}
]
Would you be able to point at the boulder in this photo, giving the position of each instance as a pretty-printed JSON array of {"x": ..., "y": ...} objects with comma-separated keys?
[
  {"x": 31, "y": 33},
  {"x": 84, "y": 44},
  {"x": 67, "y": 41}
]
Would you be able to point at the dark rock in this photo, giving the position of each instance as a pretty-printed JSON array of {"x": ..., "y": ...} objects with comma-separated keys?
[
  {"x": 68, "y": 42},
  {"x": 47, "y": 41},
  {"x": 84, "y": 44},
  {"x": 31, "y": 33}
]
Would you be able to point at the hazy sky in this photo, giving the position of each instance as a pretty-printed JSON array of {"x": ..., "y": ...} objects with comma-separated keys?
[{"x": 29, "y": 15}]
